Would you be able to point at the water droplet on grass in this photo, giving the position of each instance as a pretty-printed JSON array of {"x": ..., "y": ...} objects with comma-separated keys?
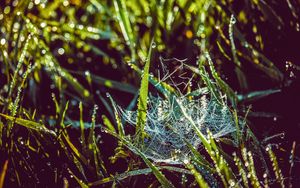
[
  {"x": 2, "y": 41},
  {"x": 153, "y": 45},
  {"x": 265, "y": 175},
  {"x": 61, "y": 51},
  {"x": 232, "y": 19},
  {"x": 43, "y": 24}
]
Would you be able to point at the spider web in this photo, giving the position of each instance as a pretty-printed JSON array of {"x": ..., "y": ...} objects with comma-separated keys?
[{"x": 167, "y": 128}]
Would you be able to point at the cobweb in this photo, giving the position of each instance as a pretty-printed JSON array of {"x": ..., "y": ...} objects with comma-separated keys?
[{"x": 168, "y": 130}]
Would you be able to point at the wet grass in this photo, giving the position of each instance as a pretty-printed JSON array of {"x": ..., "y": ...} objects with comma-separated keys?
[{"x": 67, "y": 66}]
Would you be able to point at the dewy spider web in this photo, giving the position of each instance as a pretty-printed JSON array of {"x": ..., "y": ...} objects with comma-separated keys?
[
  {"x": 168, "y": 130},
  {"x": 168, "y": 76}
]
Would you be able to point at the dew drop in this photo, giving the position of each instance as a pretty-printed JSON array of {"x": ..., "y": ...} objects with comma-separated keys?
[
  {"x": 2, "y": 41},
  {"x": 186, "y": 161},
  {"x": 37, "y": 2},
  {"x": 43, "y": 24},
  {"x": 54, "y": 29},
  {"x": 61, "y": 51},
  {"x": 153, "y": 45},
  {"x": 80, "y": 27},
  {"x": 232, "y": 184},
  {"x": 66, "y": 3},
  {"x": 43, "y": 51},
  {"x": 184, "y": 178},
  {"x": 87, "y": 73},
  {"x": 232, "y": 19},
  {"x": 246, "y": 164},
  {"x": 265, "y": 175}
]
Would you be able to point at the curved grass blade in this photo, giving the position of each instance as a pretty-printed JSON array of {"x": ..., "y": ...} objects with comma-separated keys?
[
  {"x": 240, "y": 74},
  {"x": 29, "y": 124},
  {"x": 108, "y": 124},
  {"x": 79, "y": 181},
  {"x": 92, "y": 145},
  {"x": 145, "y": 171},
  {"x": 162, "y": 87},
  {"x": 255, "y": 95},
  {"x": 73, "y": 148},
  {"x": 20, "y": 62},
  {"x": 121, "y": 130},
  {"x": 199, "y": 159},
  {"x": 114, "y": 84},
  {"x": 223, "y": 85},
  {"x": 260, "y": 61},
  {"x": 213, "y": 90},
  {"x": 155, "y": 170}
]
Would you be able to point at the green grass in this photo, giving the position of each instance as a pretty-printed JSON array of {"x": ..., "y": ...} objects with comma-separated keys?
[{"x": 59, "y": 58}]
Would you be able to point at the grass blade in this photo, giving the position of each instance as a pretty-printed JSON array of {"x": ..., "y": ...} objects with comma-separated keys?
[
  {"x": 199, "y": 178},
  {"x": 125, "y": 25},
  {"x": 117, "y": 117},
  {"x": 255, "y": 95},
  {"x": 3, "y": 173},
  {"x": 155, "y": 170},
  {"x": 276, "y": 168},
  {"x": 138, "y": 172},
  {"x": 29, "y": 124},
  {"x": 142, "y": 101},
  {"x": 223, "y": 86},
  {"x": 81, "y": 123}
]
